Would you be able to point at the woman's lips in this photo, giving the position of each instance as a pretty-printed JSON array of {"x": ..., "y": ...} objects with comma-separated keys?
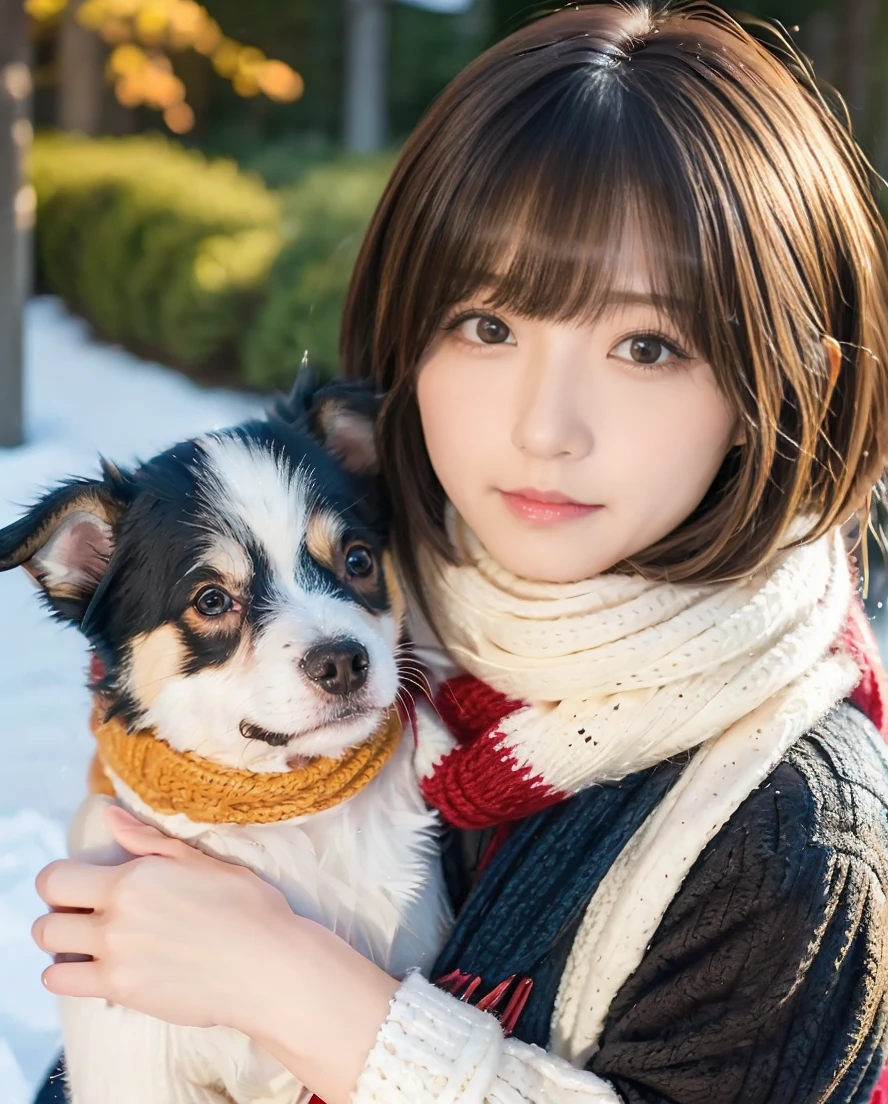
[{"x": 545, "y": 507}]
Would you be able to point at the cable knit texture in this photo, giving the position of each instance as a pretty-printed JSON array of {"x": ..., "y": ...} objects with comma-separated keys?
[
  {"x": 763, "y": 984},
  {"x": 619, "y": 673},
  {"x": 766, "y": 981},
  {"x": 602, "y": 678}
]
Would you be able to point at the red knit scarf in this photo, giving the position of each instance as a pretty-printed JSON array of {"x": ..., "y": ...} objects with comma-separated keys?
[{"x": 479, "y": 784}]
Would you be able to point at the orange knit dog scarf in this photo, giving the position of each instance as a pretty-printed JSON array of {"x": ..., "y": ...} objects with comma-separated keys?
[{"x": 171, "y": 781}]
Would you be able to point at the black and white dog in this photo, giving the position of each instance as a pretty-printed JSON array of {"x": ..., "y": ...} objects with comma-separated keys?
[{"x": 237, "y": 593}]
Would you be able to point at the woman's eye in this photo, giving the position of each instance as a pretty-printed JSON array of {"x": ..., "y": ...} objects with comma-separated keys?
[
  {"x": 212, "y": 601},
  {"x": 648, "y": 350},
  {"x": 359, "y": 561},
  {"x": 485, "y": 329}
]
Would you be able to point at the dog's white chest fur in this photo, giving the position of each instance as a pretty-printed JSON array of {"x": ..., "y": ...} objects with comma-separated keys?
[{"x": 367, "y": 870}]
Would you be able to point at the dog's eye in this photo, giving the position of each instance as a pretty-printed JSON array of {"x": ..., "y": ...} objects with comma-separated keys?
[
  {"x": 212, "y": 601},
  {"x": 359, "y": 561}
]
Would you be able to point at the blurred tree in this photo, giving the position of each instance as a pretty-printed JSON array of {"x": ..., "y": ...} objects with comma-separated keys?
[
  {"x": 16, "y": 212},
  {"x": 306, "y": 34},
  {"x": 425, "y": 45},
  {"x": 371, "y": 66},
  {"x": 427, "y": 49},
  {"x": 144, "y": 36},
  {"x": 369, "y": 28}
]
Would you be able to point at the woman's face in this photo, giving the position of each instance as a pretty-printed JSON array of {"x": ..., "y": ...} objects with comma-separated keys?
[{"x": 570, "y": 447}]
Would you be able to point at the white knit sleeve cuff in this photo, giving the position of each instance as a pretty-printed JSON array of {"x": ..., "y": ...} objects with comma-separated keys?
[
  {"x": 434, "y": 1049},
  {"x": 431, "y": 1048}
]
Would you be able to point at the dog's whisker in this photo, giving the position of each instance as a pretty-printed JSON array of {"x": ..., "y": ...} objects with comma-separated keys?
[
  {"x": 418, "y": 680},
  {"x": 408, "y": 660},
  {"x": 415, "y": 672},
  {"x": 421, "y": 689}
]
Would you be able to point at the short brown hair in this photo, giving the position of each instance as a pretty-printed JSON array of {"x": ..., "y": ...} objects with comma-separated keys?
[{"x": 767, "y": 238}]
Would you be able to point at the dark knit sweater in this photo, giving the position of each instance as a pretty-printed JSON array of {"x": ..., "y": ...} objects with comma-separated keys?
[{"x": 766, "y": 979}]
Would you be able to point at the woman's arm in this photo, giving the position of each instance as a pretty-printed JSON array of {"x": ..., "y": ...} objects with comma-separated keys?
[{"x": 193, "y": 940}]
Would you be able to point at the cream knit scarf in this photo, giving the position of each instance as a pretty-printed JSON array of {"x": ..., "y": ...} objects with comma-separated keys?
[{"x": 618, "y": 673}]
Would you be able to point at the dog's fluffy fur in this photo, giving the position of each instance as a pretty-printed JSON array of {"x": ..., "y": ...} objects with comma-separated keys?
[{"x": 237, "y": 592}]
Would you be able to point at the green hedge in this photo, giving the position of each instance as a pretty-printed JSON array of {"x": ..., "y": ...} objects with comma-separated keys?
[
  {"x": 195, "y": 262},
  {"x": 152, "y": 243},
  {"x": 329, "y": 210}
]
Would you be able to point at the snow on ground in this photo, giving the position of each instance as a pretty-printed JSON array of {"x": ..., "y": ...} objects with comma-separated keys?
[{"x": 82, "y": 399}]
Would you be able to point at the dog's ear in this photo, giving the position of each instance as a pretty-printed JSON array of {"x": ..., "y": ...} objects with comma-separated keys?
[
  {"x": 296, "y": 406},
  {"x": 66, "y": 539},
  {"x": 343, "y": 418},
  {"x": 341, "y": 415}
]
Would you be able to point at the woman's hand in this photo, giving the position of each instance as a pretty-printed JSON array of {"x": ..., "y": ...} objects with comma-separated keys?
[
  {"x": 192, "y": 940},
  {"x": 167, "y": 931}
]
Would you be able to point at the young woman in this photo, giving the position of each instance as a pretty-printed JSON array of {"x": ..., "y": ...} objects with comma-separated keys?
[{"x": 626, "y": 294}]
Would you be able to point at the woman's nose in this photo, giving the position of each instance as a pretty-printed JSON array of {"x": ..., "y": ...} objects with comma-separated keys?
[{"x": 551, "y": 421}]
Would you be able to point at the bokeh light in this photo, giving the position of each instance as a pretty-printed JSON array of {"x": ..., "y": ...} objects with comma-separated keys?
[
  {"x": 179, "y": 118},
  {"x": 145, "y": 34}
]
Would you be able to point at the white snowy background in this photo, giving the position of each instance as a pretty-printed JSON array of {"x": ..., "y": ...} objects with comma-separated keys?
[{"x": 82, "y": 399}]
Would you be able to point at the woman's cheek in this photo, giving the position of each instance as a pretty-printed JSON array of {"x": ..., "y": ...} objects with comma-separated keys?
[
  {"x": 457, "y": 420},
  {"x": 437, "y": 402},
  {"x": 682, "y": 455}
]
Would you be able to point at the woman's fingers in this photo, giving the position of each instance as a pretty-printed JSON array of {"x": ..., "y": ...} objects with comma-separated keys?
[
  {"x": 142, "y": 839},
  {"x": 67, "y": 933},
  {"x": 75, "y": 979},
  {"x": 69, "y": 884}
]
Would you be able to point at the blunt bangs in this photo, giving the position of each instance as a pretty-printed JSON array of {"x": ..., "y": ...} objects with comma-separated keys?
[{"x": 547, "y": 197}]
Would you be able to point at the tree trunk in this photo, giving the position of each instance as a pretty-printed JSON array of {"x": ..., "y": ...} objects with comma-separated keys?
[
  {"x": 16, "y": 212},
  {"x": 81, "y": 86},
  {"x": 366, "y": 61}
]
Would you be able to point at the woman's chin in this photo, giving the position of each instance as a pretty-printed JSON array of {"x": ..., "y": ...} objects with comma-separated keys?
[{"x": 548, "y": 555}]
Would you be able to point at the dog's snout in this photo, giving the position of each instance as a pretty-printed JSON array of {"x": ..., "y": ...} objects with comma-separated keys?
[{"x": 337, "y": 666}]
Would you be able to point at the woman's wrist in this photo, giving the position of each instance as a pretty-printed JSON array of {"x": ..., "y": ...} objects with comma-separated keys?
[{"x": 315, "y": 1004}]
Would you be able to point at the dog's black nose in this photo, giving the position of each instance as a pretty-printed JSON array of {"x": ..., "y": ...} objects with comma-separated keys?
[{"x": 337, "y": 666}]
